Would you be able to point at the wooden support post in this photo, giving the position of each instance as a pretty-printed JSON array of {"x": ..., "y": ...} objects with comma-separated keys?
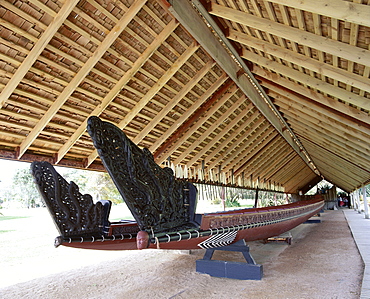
[
  {"x": 219, "y": 174},
  {"x": 256, "y": 199},
  {"x": 353, "y": 201},
  {"x": 203, "y": 171},
  {"x": 358, "y": 200},
  {"x": 223, "y": 197},
  {"x": 366, "y": 207}
]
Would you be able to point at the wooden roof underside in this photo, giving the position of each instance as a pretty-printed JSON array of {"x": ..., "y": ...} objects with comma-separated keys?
[{"x": 275, "y": 92}]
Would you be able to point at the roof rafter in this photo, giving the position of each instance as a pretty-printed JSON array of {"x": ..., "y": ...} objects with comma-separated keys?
[
  {"x": 334, "y": 139},
  {"x": 221, "y": 139},
  {"x": 183, "y": 123},
  {"x": 299, "y": 36},
  {"x": 305, "y": 88},
  {"x": 328, "y": 120},
  {"x": 353, "y": 154},
  {"x": 341, "y": 161},
  {"x": 36, "y": 50},
  {"x": 215, "y": 125},
  {"x": 313, "y": 95},
  {"x": 174, "y": 101},
  {"x": 341, "y": 173},
  {"x": 231, "y": 146},
  {"x": 280, "y": 150},
  {"x": 149, "y": 51},
  {"x": 198, "y": 123},
  {"x": 342, "y": 10},
  {"x": 301, "y": 60},
  {"x": 175, "y": 67},
  {"x": 274, "y": 169},
  {"x": 239, "y": 151},
  {"x": 308, "y": 80},
  {"x": 303, "y": 175},
  {"x": 82, "y": 73},
  {"x": 191, "y": 20},
  {"x": 315, "y": 103},
  {"x": 267, "y": 137},
  {"x": 243, "y": 149}
]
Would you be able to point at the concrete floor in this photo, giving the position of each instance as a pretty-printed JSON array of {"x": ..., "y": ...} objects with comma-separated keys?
[{"x": 360, "y": 228}]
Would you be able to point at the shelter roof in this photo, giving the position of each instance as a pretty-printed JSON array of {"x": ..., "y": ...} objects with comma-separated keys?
[{"x": 270, "y": 92}]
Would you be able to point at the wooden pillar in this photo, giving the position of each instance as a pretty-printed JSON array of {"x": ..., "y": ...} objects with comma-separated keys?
[
  {"x": 356, "y": 195},
  {"x": 219, "y": 174},
  {"x": 223, "y": 191},
  {"x": 366, "y": 207},
  {"x": 353, "y": 202},
  {"x": 358, "y": 200},
  {"x": 357, "y": 192},
  {"x": 203, "y": 171},
  {"x": 256, "y": 199},
  {"x": 223, "y": 197}
]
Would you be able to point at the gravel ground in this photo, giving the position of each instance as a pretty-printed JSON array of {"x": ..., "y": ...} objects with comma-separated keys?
[{"x": 322, "y": 262}]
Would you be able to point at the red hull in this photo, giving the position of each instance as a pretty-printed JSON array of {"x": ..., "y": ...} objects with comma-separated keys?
[{"x": 266, "y": 224}]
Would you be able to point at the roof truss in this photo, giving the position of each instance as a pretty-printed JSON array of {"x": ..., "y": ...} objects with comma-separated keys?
[{"x": 268, "y": 93}]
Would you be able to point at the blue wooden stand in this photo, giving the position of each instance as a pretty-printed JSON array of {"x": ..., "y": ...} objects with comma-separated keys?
[
  {"x": 315, "y": 220},
  {"x": 236, "y": 270}
]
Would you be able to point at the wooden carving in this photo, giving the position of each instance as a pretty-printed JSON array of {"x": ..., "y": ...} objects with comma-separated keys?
[
  {"x": 157, "y": 201},
  {"x": 74, "y": 214}
]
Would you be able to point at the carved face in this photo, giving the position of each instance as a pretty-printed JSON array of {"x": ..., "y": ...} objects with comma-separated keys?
[{"x": 142, "y": 240}]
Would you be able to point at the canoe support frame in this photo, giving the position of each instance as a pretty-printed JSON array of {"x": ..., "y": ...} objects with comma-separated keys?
[{"x": 228, "y": 269}]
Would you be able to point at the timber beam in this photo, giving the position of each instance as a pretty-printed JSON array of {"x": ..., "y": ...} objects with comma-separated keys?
[{"x": 235, "y": 67}]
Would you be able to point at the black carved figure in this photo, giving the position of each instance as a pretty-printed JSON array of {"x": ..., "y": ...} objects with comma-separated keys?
[
  {"x": 155, "y": 198},
  {"x": 74, "y": 214}
]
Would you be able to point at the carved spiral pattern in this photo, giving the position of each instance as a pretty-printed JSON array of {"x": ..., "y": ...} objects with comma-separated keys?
[
  {"x": 155, "y": 198},
  {"x": 73, "y": 213}
]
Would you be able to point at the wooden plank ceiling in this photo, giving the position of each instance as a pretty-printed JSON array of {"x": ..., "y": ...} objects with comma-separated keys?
[{"x": 274, "y": 93}]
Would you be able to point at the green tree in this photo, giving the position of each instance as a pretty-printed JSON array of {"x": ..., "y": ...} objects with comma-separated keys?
[
  {"x": 80, "y": 177},
  {"x": 233, "y": 196},
  {"x": 98, "y": 184},
  {"x": 106, "y": 189},
  {"x": 24, "y": 190}
]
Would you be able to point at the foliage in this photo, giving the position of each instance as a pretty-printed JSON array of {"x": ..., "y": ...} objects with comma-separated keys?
[
  {"x": 98, "y": 184},
  {"x": 232, "y": 197},
  {"x": 12, "y": 217},
  {"x": 320, "y": 188},
  {"x": 23, "y": 191},
  {"x": 216, "y": 201},
  {"x": 232, "y": 202},
  {"x": 324, "y": 188},
  {"x": 270, "y": 198},
  {"x": 106, "y": 190}
]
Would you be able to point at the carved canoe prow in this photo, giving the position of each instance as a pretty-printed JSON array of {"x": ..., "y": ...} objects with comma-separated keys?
[{"x": 163, "y": 207}]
